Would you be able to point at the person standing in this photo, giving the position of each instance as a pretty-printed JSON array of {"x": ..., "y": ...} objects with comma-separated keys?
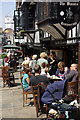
[
  {"x": 33, "y": 63},
  {"x": 43, "y": 58},
  {"x": 52, "y": 63}
]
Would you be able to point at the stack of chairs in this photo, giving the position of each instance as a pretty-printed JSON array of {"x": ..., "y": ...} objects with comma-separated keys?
[{"x": 7, "y": 77}]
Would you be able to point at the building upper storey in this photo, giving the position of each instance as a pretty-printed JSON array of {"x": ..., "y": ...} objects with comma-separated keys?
[{"x": 65, "y": 13}]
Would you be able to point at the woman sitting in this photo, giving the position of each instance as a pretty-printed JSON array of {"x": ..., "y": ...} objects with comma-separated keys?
[
  {"x": 61, "y": 70},
  {"x": 25, "y": 80},
  {"x": 45, "y": 70}
]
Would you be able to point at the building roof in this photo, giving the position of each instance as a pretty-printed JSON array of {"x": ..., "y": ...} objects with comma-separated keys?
[{"x": 8, "y": 31}]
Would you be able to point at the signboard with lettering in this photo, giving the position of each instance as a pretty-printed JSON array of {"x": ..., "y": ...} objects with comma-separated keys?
[
  {"x": 18, "y": 24},
  {"x": 69, "y": 14},
  {"x": 67, "y": 42},
  {"x": 71, "y": 41}
]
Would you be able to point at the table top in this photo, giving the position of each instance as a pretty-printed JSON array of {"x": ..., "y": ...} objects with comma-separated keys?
[{"x": 55, "y": 78}]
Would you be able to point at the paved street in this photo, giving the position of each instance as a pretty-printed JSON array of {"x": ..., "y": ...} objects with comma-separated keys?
[{"x": 11, "y": 101}]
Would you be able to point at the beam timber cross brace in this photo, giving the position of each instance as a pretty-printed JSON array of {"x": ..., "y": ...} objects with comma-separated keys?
[
  {"x": 22, "y": 32},
  {"x": 30, "y": 37}
]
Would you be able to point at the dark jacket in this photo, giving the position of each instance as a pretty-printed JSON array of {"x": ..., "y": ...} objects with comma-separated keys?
[
  {"x": 71, "y": 76},
  {"x": 39, "y": 78},
  {"x": 48, "y": 98},
  {"x": 59, "y": 72}
]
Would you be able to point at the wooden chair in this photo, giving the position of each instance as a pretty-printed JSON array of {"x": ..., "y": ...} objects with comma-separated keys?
[
  {"x": 35, "y": 94},
  {"x": 37, "y": 99},
  {"x": 6, "y": 76},
  {"x": 72, "y": 89},
  {"x": 25, "y": 95}
]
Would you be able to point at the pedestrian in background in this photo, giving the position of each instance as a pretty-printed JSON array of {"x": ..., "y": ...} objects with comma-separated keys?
[{"x": 34, "y": 62}]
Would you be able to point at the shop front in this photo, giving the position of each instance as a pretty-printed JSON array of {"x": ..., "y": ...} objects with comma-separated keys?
[{"x": 69, "y": 52}]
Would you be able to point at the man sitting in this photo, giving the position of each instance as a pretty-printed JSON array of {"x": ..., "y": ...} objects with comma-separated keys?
[
  {"x": 73, "y": 74},
  {"x": 38, "y": 78},
  {"x": 60, "y": 86}
]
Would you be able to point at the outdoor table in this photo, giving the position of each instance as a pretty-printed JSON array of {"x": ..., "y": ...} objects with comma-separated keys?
[{"x": 54, "y": 78}]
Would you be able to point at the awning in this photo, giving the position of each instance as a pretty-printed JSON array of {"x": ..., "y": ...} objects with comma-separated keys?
[
  {"x": 28, "y": 1},
  {"x": 56, "y": 30},
  {"x": 24, "y": 1},
  {"x": 11, "y": 47}
]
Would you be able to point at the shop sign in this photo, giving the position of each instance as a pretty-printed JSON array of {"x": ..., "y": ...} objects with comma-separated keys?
[
  {"x": 71, "y": 41},
  {"x": 69, "y": 14},
  {"x": 67, "y": 42},
  {"x": 69, "y": 3},
  {"x": 67, "y": 24},
  {"x": 63, "y": 42}
]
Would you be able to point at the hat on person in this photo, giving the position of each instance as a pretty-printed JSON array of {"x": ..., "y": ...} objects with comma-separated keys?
[{"x": 5, "y": 59}]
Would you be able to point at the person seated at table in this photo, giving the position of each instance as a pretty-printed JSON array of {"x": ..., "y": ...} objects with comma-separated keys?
[
  {"x": 73, "y": 74},
  {"x": 59, "y": 86},
  {"x": 35, "y": 80},
  {"x": 61, "y": 69},
  {"x": 25, "y": 63},
  {"x": 30, "y": 72},
  {"x": 53, "y": 91},
  {"x": 45, "y": 69},
  {"x": 26, "y": 81}
]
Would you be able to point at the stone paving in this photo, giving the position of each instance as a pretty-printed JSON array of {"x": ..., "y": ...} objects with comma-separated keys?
[{"x": 11, "y": 101}]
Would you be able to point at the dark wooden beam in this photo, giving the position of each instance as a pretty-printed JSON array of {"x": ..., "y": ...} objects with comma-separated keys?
[{"x": 79, "y": 71}]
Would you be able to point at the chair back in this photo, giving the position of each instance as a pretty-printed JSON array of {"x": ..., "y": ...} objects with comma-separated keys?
[
  {"x": 21, "y": 84},
  {"x": 72, "y": 89},
  {"x": 37, "y": 94},
  {"x": 5, "y": 75},
  {"x": 5, "y": 72},
  {"x": 5, "y": 69},
  {"x": 34, "y": 90}
]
